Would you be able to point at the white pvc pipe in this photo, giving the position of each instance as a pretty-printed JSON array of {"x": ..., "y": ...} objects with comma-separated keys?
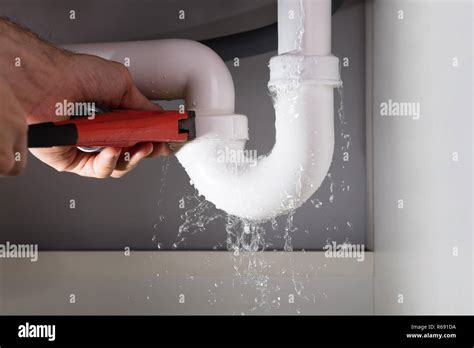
[
  {"x": 302, "y": 83},
  {"x": 283, "y": 180},
  {"x": 173, "y": 69},
  {"x": 304, "y": 27}
]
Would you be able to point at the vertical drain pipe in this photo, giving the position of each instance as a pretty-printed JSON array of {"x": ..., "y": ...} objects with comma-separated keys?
[{"x": 304, "y": 27}]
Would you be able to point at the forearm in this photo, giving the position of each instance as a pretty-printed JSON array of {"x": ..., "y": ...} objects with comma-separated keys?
[{"x": 32, "y": 67}]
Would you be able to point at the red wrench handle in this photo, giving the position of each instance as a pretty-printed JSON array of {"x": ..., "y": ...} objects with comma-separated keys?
[{"x": 119, "y": 128}]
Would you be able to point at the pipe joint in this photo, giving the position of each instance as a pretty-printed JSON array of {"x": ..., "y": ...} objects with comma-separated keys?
[
  {"x": 223, "y": 127},
  {"x": 297, "y": 68}
]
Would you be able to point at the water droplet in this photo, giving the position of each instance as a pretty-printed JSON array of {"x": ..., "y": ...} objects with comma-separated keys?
[
  {"x": 246, "y": 229},
  {"x": 274, "y": 224}
]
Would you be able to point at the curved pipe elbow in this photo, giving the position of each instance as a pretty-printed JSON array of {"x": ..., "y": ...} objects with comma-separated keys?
[
  {"x": 260, "y": 189},
  {"x": 173, "y": 69}
]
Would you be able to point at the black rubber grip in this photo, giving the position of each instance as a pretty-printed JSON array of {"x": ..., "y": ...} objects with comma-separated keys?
[{"x": 50, "y": 134}]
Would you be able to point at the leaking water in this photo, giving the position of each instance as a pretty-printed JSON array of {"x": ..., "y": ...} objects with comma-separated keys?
[{"x": 247, "y": 240}]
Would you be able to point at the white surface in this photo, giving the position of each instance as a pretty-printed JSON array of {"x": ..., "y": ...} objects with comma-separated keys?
[
  {"x": 413, "y": 159},
  {"x": 112, "y": 283}
]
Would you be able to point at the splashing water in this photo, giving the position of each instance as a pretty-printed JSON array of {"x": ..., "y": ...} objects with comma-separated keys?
[
  {"x": 300, "y": 28},
  {"x": 317, "y": 203},
  {"x": 196, "y": 218},
  {"x": 246, "y": 240},
  {"x": 289, "y": 229},
  {"x": 164, "y": 171}
]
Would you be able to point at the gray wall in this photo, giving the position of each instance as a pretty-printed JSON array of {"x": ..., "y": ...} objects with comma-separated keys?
[{"x": 141, "y": 210}]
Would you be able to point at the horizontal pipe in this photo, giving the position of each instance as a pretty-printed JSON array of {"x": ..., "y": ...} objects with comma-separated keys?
[{"x": 173, "y": 69}]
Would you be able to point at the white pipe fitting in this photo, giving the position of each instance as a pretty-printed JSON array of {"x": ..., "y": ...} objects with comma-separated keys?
[{"x": 302, "y": 82}]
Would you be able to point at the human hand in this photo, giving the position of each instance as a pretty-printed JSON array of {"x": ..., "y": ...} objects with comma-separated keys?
[
  {"x": 107, "y": 83},
  {"x": 49, "y": 75},
  {"x": 13, "y": 129}
]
